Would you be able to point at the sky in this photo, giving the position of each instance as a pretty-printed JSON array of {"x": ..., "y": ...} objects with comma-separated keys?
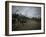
[{"x": 27, "y": 11}]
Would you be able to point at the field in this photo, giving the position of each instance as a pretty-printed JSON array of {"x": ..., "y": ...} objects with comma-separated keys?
[{"x": 25, "y": 23}]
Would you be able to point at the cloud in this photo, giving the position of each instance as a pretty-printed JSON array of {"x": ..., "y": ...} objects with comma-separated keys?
[{"x": 27, "y": 11}]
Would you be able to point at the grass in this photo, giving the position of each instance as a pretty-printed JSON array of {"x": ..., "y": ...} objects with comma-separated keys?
[{"x": 29, "y": 25}]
